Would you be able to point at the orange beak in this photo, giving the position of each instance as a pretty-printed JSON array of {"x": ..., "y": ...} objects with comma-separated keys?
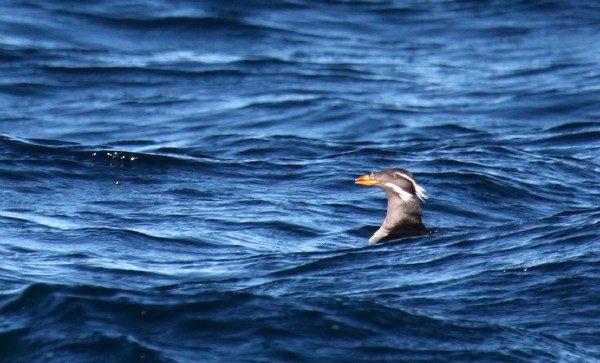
[{"x": 366, "y": 179}]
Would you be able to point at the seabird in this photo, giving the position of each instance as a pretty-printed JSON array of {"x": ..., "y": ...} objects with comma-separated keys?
[{"x": 403, "y": 217}]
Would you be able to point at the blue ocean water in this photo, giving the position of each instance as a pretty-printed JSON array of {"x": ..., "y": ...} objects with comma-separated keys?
[{"x": 177, "y": 180}]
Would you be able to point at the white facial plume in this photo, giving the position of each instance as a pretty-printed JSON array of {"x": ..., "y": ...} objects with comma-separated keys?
[{"x": 404, "y": 195}]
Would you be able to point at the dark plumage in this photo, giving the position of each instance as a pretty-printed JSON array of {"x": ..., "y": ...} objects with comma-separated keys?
[{"x": 403, "y": 217}]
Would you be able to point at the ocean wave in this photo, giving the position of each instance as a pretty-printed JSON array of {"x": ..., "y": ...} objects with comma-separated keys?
[
  {"x": 178, "y": 181},
  {"x": 353, "y": 325}
]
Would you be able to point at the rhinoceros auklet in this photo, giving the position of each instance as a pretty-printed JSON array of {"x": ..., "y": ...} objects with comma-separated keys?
[{"x": 403, "y": 217}]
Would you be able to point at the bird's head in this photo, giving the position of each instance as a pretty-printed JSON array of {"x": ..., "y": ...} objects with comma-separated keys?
[{"x": 396, "y": 181}]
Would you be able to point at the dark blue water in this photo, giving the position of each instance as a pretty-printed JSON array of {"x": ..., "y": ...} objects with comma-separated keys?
[{"x": 177, "y": 181}]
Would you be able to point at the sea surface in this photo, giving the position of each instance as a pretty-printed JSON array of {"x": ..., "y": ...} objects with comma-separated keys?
[{"x": 178, "y": 180}]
